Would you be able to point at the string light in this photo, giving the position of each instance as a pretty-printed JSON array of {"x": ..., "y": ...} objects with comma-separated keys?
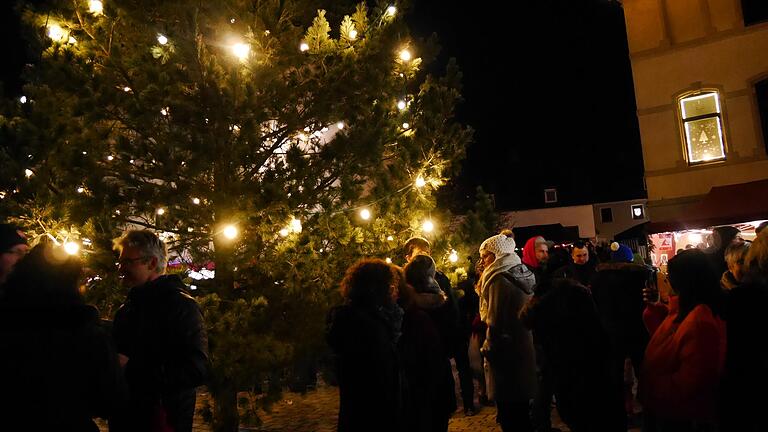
[
  {"x": 190, "y": 229},
  {"x": 161, "y": 211},
  {"x": 71, "y": 248},
  {"x": 241, "y": 51},
  {"x": 428, "y": 226},
  {"x": 365, "y": 214},
  {"x": 230, "y": 232},
  {"x": 126, "y": 89},
  {"x": 110, "y": 158},
  {"x": 420, "y": 182},
  {"x": 56, "y": 33},
  {"x": 196, "y": 201},
  {"x": 295, "y": 225},
  {"x": 161, "y": 39},
  {"x": 28, "y": 173},
  {"x": 453, "y": 257},
  {"x": 96, "y": 7},
  {"x": 391, "y": 10},
  {"x": 340, "y": 125},
  {"x": 304, "y": 47},
  {"x": 72, "y": 40},
  {"x": 284, "y": 232},
  {"x": 353, "y": 34},
  {"x": 406, "y": 126},
  {"x": 401, "y": 105},
  {"x": 23, "y": 99},
  {"x": 388, "y": 260},
  {"x": 80, "y": 189},
  {"x": 164, "y": 111},
  {"x": 405, "y": 55}
]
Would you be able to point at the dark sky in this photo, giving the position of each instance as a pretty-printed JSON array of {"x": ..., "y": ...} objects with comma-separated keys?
[{"x": 547, "y": 88}]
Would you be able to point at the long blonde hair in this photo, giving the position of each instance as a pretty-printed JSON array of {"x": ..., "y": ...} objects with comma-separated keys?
[{"x": 756, "y": 261}]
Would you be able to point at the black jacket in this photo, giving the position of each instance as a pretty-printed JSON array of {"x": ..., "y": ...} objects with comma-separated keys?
[
  {"x": 58, "y": 368},
  {"x": 160, "y": 329}
]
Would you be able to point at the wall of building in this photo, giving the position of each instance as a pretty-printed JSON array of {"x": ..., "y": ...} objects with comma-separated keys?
[
  {"x": 581, "y": 216},
  {"x": 678, "y": 46},
  {"x": 622, "y": 218}
]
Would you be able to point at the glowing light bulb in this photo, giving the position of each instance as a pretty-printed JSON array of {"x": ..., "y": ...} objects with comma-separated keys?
[
  {"x": 401, "y": 104},
  {"x": 196, "y": 201},
  {"x": 80, "y": 189},
  {"x": 353, "y": 34},
  {"x": 126, "y": 89},
  {"x": 96, "y": 7},
  {"x": 56, "y": 33},
  {"x": 390, "y": 238},
  {"x": 406, "y": 126},
  {"x": 453, "y": 257},
  {"x": 230, "y": 232},
  {"x": 365, "y": 214},
  {"x": 405, "y": 55},
  {"x": 71, "y": 248},
  {"x": 428, "y": 226},
  {"x": 388, "y": 260},
  {"x": 162, "y": 39},
  {"x": 296, "y": 225},
  {"x": 164, "y": 111},
  {"x": 304, "y": 47},
  {"x": 23, "y": 99},
  {"x": 420, "y": 182},
  {"x": 340, "y": 125},
  {"x": 284, "y": 232},
  {"x": 391, "y": 11},
  {"x": 72, "y": 40},
  {"x": 110, "y": 158},
  {"x": 28, "y": 173},
  {"x": 161, "y": 211},
  {"x": 241, "y": 51}
]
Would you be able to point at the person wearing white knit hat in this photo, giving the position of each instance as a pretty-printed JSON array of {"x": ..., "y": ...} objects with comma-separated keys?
[{"x": 505, "y": 287}]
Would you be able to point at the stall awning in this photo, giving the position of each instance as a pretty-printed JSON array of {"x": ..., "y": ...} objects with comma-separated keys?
[{"x": 723, "y": 205}]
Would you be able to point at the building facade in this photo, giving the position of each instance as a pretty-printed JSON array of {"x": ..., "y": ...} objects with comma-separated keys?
[{"x": 700, "y": 70}]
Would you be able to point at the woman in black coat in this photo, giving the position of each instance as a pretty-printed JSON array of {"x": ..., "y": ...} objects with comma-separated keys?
[
  {"x": 58, "y": 367},
  {"x": 363, "y": 334}
]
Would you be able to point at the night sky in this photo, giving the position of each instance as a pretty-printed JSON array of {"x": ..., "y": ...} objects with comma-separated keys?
[{"x": 547, "y": 88}]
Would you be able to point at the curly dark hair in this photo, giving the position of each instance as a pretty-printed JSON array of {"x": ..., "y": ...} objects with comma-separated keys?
[{"x": 370, "y": 282}]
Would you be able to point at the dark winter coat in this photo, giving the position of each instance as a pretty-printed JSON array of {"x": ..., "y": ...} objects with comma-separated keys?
[
  {"x": 582, "y": 274},
  {"x": 430, "y": 397},
  {"x": 58, "y": 368},
  {"x": 160, "y": 329},
  {"x": 617, "y": 289},
  {"x": 572, "y": 337},
  {"x": 509, "y": 346},
  {"x": 367, "y": 369},
  {"x": 746, "y": 366}
]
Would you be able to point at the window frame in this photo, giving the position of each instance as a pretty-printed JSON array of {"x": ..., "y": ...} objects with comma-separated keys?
[{"x": 682, "y": 121}]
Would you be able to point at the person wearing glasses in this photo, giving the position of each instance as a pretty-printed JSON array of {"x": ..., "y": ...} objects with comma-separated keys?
[
  {"x": 160, "y": 338},
  {"x": 13, "y": 247}
]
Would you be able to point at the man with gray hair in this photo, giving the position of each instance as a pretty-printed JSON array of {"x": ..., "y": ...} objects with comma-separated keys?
[{"x": 160, "y": 338}]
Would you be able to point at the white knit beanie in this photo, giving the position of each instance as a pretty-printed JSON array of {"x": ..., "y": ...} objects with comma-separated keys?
[{"x": 498, "y": 245}]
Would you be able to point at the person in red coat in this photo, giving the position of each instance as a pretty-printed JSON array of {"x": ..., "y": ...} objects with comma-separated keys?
[{"x": 684, "y": 360}]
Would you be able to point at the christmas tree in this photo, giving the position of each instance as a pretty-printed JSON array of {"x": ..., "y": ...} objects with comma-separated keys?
[{"x": 270, "y": 143}]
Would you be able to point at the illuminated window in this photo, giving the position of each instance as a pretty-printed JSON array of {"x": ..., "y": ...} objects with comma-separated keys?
[{"x": 703, "y": 127}]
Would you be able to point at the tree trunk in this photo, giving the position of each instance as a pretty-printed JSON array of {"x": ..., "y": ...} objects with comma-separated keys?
[{"x": 225, "y": 415}]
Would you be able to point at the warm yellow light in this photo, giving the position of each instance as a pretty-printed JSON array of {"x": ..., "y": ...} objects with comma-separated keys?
[
  {"x": 230, "y": 232},
  {"x": 365, "y": 214},
  {"x": 56, "y": 33},
  {"x": 72, "y": 40},
  {"x": 161, "y": 211},
  {"x": 353, "y": 34},
  {"x": 284, "y": 232},
  {"x": 391, "y": 10},
  {"x": 71, "y": 248},
  {"x": 80, "y": 189},
  {"x": 388, "y": 260},
  {"x": 420, "y": 182},
  {"x": 241, "y": 51},
  {"x": 405, "y": 55},
  {"x": 110, "y": 158},
  {"x": 161, "y": 39},
  {"x": 28, "y": 173},
  {"x": 195, "y": 201},
  {"x": 428, "y": 226},
  {"x": 406, "y": 125},
  {"x": 190, "y": 229},
  {"x": 401, "y": 105},
  {"x": 339, "y": 125},
  {"x": 164, "y": 111},
  {"x": 126, "y": 89},
  {"x": 453, "y": 257},
  {"x": 390, "y": 238},
  {"x": 304, "y": 47},
  {"x": 296, "y": 225},
  {"x": 23, "y": 99},
  {"x": 96, "y": 7}
]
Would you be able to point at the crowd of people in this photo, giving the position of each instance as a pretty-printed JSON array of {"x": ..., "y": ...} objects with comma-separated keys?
[
  {"x": 588, "y": 330},
  {"x": 61, "y": 366}
]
